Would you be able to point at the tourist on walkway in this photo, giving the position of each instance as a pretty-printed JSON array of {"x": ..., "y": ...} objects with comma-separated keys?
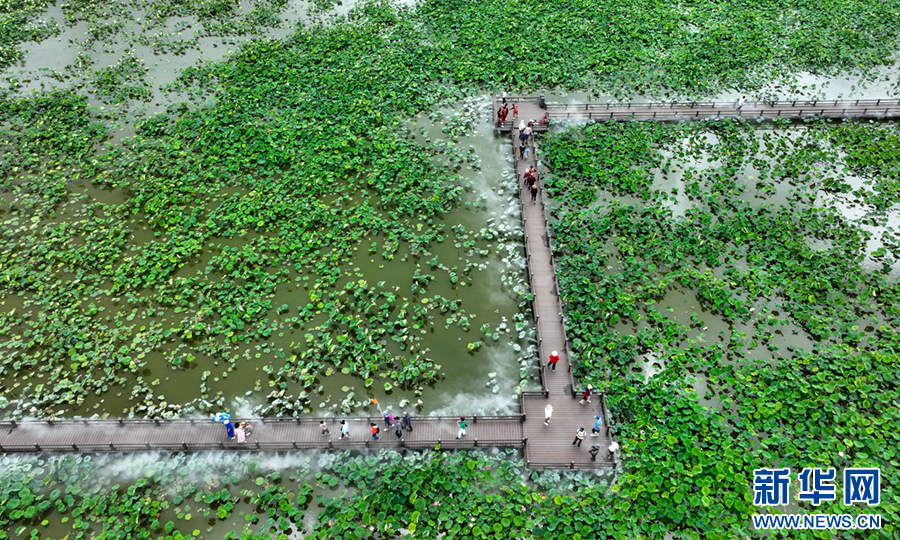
[
  {"x": 528, "y": 132},
  {"x": 388, "y": 419},
  {"x": 741, "y": 103},
  {"x": 324, "y": 427},
  {"x": 407, "y": 421},
  {"x": 554, "y": 358},
  {"x": 505, "y": 111},
  {"x": 398, "y": 429},
  {"x": 579, "y": 436},
  {"x": 594, "y": 451},
  {"x": 597, "y": 425},
  {"x": 545, "y": 120},
  {"x": 529, "y": 177},
  {"x": 374, "y": 429},
  {"x": 522, "y": 151},
  {"x": 248, "y": 429},
  {"x": 586, "y": 395},
  {"x": 462, "y": 427},
  {"x": 612, "y": 450},
  {"x": 345, "y": 429},
  {"x": 503, "y": 98},
  {"x": 239, "y": 435},
  {"x": 229, "y": 429},
  {"x": 527, "y": 148},
  {"x": 515, "y": 111},
  {"x": 534, "y": 192},
  {"x": 548, "y": 412},
  {"x": 499, "y": 116}
]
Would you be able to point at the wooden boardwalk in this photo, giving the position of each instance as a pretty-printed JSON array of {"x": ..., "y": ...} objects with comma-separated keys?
[
  {"x": 551, "y": 446},
  {"x": 687, "y": 110},
  {"x": 268, "y": 434},
  {"x": 546, "y": 446}
]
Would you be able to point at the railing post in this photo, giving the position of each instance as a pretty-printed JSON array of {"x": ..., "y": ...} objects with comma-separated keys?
[
  {"x": 524, "y": 442},
  {"x": 148, "y": 445},
  {"x": 156, "y": 420},
  {"x": 111, "y": 447},
  {"x": 222, "y": 445},
  {"x": 476, "y": 441},
  {"x": 37, "y": 447},
  {"x": 294, "y": 444},
  {"x": 121, "y": 422},
  {"x": 572, "y": 465},
  {"x": 257, "y": 445},
  {"x": 84, "y": 420},
  {"x": 49, "y": 422},
  {"x": 74, "y": 447},
  {"x": 475, "y": 419},
  {"x": 522, "y": 418},
  {"x": 184, "y": 445}
]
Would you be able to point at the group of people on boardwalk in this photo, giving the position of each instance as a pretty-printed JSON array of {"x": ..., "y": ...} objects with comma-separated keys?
[
  {"x": 239, "y": 433},
  {"x": 580, "y": 433}
]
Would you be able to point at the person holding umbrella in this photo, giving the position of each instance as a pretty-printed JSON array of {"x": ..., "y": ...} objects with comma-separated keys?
[{"x": 226, "y": 419}]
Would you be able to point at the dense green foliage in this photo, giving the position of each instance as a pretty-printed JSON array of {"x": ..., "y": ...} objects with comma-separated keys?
[
  {"x": 291, "y": 161},
  {"x": 161, "y": 497},
  {"x": 753, "y": 257}
]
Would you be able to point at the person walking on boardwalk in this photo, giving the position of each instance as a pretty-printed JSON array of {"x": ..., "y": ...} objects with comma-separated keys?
[
  {"x": 247, "y": 427},
  {"x": 611, "y": 452},
  {"x": 528, "y": 176},
  {"x": 374, "y": 429},
  {"x": 525, "y": 153},
  {"x": 515, "y": 111},
  {"x": 239, "y": 434},
  {"x": 388, "y": 419},
  {"x": 398, "y": 429},
  {"x": 407, "y": 421},
  {"x": 345, "y": 429},
  {"x": 548, "y": 412},
  {"x": 499, "y": 116},
  {"x": 229, "y": 429},
  {"x": 554, "y": 359},
  {"x": 527, "y": 132},
  {"x": 586, "y": 395},
  {"x": 462, "y": 427},
  {"x": 597, "y": 425},
  {"x": 522, "y": 150},
  {"x": 594, "y": 451},
  {"x": 741, "y": 103},
  {"x": 534, "y": 192},
  {"x": 579, "y": 436},
  {"x": 324, "y": 427},
  {"x": 503, "y": 98}
]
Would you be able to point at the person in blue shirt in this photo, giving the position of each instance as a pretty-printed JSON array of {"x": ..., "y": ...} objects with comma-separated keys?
[{"x": 597, "y": 425}]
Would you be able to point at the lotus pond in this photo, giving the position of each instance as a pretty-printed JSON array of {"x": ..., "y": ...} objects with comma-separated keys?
[{"x": 287, "y": 207}]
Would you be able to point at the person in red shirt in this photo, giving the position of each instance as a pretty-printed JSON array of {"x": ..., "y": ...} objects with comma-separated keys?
[{"x": 554, "y": 358}]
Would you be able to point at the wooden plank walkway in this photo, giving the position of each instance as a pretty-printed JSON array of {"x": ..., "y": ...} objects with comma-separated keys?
[
  {"x": 750, "y": 110},
  {"x": 268, "y": 434},
  {"x": 551, "y": 446},
  {"x": 687, "y": 110}
]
